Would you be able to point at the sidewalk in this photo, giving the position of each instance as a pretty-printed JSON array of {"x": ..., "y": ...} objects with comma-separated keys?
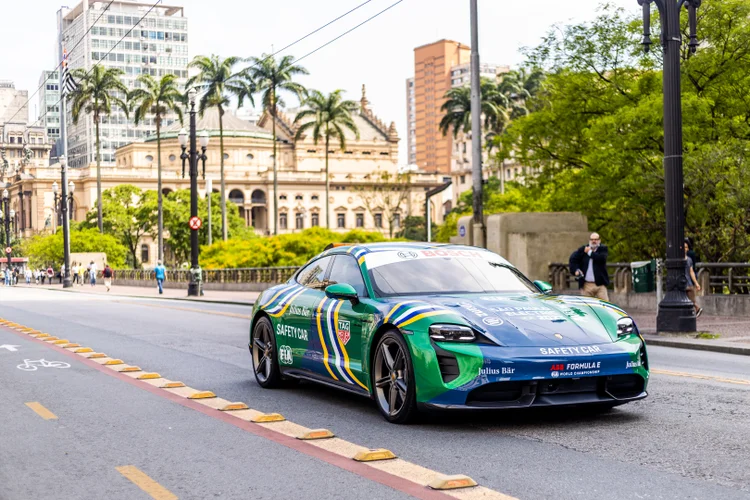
[{"x": 217, "y": 296}]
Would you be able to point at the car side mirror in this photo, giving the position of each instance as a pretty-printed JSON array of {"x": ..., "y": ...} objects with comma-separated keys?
[
  {"x": 342, "y": 291},
  {"x": 543, "y": 286}
]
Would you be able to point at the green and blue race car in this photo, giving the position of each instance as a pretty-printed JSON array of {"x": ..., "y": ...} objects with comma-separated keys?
[{"x": 418, "y": 326}]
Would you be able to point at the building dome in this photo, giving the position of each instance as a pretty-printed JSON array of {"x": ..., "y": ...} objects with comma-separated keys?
[{"x": 233, "y": 126}]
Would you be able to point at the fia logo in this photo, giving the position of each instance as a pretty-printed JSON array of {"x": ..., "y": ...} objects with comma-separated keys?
[
  {"x": 285, "y": 355},
  {"x": 344, "y": 331}
]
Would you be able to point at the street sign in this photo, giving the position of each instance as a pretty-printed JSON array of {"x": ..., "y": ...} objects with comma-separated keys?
[
  {"x": 462, "y": 231},
  {"x": 195, "y": 223},
  {"x": 8, "y": 250}
]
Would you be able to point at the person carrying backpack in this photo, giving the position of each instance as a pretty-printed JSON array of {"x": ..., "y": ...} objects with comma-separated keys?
[{"x": 107, "y": 274}]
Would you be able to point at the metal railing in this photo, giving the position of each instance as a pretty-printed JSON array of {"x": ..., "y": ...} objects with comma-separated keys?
[
  {"x": 240, "y": 275},
  {"x": 714, "y": 278}
]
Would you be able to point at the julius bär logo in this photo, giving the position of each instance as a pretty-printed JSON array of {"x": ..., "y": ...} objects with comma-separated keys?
[{"x": 344, "y": 331}]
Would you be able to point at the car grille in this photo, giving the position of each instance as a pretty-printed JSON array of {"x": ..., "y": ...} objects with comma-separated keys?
[{"x": 448, "y": 364}]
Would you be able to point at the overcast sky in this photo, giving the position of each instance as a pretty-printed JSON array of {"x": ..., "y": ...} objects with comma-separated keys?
[{"x": 378, "y": 54}]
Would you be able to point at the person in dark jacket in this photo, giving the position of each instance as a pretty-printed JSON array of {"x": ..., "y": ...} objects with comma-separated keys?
[
  {"x": 690, "y": 252},
  {"x": 589, "y": 265}
]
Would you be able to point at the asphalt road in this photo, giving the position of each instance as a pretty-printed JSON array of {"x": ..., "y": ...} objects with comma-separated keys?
[{"x": 689, "y": 439}]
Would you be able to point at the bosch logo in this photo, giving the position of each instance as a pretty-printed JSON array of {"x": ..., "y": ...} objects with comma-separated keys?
[
  {"x": 408, "y": 255},
  {"x": 492, "y": 321}
]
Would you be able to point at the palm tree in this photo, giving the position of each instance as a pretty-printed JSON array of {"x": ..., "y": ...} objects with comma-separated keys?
[
  {"x": 457, "y": 108},
  {"x": 157, "y": 98},
  {"x": 218, "y": 82},
  {"x": 325, "y": 115},
  {"x": 269, "y": 77},
  {"x": 94, "y": 94}
]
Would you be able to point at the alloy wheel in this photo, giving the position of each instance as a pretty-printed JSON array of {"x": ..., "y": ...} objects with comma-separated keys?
[{"x": 391, "y": 377}]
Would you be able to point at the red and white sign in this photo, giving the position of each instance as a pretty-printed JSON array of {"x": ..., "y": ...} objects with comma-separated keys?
[
  {"x": 8, "y": 250},
  {"x": 195, "y": 223}
]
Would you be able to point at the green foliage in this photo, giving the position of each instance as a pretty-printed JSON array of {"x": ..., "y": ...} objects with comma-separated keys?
[
  {"x": 47, "y": 249},
  {"x": 282, "y": 250},
  {"x": 595, "y": 133},
  {"x": 413, "y": 228}
]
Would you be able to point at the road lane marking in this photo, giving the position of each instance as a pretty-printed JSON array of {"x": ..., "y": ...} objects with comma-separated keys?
[
  {"x": 144, "y": 482},
  {"x": 41, "y": 411},
  {"x": 190, "y": 309},
  {"x": 737, "y": 381},
  {"x": 396, "y": 473}
]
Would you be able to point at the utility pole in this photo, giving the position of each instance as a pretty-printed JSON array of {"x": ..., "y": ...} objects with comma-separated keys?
[
  {"x": 676, "y": 312},
  {"x": 67, "y": 282},
  {"x": 476, "y": 132}
]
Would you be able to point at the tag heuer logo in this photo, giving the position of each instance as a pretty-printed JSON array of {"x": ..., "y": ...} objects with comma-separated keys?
[{"x": 344, "y": 331}]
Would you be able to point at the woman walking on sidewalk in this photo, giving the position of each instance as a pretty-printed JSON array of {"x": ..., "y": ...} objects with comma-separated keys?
[{"x": 74, "y": 272}]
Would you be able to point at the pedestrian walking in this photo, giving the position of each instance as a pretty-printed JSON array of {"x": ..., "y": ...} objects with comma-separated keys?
[
  {"x": 92, "y": 273},
  {"x": 62, "y": 274},
  {"x": 27, "y": 274},
  {"x": 37, "y": 275},
  {"x": 160, "y": 272},
  {"x": 50, "y": 274},
  {"x": 81, "y": 274},
  {"x": 107, "y": 274},
  {"x": 589, "y": 265},
  {"x": 74, "y": 272},
  {"x": 692, "y": 281},
  {"x": 5, "y": 275}
]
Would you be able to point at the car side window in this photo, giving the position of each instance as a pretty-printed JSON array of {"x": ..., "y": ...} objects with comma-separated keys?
[
  {"x": 314, "y": 273},
  {"x": 346, "y": 270}
]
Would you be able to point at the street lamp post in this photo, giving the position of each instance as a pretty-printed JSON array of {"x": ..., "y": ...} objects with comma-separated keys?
[
  {"x": 194, "y": 286},
  {"x": 7, "y": 216},
  {"x": 62, "y": 203},
  {"x": 676, "y": 312}
]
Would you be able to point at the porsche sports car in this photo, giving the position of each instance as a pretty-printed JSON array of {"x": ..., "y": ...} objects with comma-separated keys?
[{"x": 416, "y": 326}]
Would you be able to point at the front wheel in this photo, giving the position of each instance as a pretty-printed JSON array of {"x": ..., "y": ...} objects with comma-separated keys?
[
  {"x": 393, "y": 379},
  {"x": 264, "y": 356}
]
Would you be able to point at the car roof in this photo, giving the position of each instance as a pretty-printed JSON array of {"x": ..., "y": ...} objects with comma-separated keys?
[{"x": 361, "y": 248}]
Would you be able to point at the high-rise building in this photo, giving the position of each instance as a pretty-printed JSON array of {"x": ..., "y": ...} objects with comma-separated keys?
[
  {"x": 49, "y": 103},
  {"x": 157, "y": 45},
  {"x": 432, "y": 78},
  {"x": 14, "y": 107},
  {"x": 411, "y": 122},
  {"x": 461, "y": 74}
]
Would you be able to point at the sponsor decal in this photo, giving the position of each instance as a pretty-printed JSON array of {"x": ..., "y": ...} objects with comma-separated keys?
[
  {"x": 558, "y": 336},
  {"x": 454, "y": 253},
  {"x": 344, "y": 331},
  {"x": 304, "y": 312},
  {"x": 538, "y": 313},
  {"x": 285, "y": 355},
  {"x": 291, "y": 332},
  {"x": 584, "y": 349},
  {"x": 492, "y": 321},
  {"x": 505, "y": 370},
  {"x": 408, "y": 255},
  {"x": 633, "y": 364},
  {"x": 474, "y": 309},
  {"x": 575, "y": 369}
]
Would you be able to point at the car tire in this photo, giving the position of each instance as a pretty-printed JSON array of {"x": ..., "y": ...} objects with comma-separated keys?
[
  {"x": 394, "y": 372},
  {"x": 264, "y": 354}
]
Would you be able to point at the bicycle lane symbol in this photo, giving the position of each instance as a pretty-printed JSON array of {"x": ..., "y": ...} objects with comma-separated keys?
[{"x": 32, "y": 365}]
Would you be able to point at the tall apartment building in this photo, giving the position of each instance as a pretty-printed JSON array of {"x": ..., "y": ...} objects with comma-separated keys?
[
  {"x": 158, "y": 45},
  {"x": 432, "y": 78},
  {"x": 411, "y": 122},
  {"x": 49, "y": 105},
  {"x": 13, "y": 104}
]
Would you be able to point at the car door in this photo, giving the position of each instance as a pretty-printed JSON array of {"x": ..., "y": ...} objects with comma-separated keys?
[
  {"x": 295, "y": 320},
  {"x": 341, "y": 324}
]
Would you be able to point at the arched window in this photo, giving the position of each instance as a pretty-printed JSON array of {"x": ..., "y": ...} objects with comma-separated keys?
[
  {"x": 144, "y": 253},
  {"x": 236, "y": 196},
  {"x": 258, "y": 196}
]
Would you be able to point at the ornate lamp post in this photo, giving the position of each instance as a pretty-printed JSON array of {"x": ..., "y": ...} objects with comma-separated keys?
[
  {"x": 8, "y": 215},
  {"x": 62, "y": 203},
  {"x": 194, "y": 286},
  {"x": 676, "y": 313}
]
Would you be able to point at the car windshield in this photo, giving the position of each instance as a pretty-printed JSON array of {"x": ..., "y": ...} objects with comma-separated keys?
[{"x": 445, "y": 275}]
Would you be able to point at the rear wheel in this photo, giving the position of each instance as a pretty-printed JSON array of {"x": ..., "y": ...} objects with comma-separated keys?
[
  {"x": 393, "y": 379},
  {"x": 265, "y": 363}
]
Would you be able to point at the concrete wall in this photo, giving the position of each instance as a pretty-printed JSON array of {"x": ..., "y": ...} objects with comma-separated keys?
[{"x": 225, "y": 287}]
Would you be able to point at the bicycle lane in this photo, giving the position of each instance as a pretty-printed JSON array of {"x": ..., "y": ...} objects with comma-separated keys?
[{"x": 67, "y": 430}]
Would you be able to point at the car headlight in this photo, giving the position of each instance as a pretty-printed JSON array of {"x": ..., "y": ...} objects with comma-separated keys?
[
  {"x": 452, "y": 333},
  {"x": 625, "y": 326}
]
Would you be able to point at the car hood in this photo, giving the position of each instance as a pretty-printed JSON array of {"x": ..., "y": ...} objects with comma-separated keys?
[{"x": 530, "y": 320}]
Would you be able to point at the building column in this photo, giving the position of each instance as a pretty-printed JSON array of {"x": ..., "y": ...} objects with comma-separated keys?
[
  {"x": 21, "y": 204},
  {"x": 30, "y": 209}
]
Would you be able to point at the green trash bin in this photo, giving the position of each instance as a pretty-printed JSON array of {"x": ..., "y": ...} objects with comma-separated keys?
[{"x": 644, "y": 273}]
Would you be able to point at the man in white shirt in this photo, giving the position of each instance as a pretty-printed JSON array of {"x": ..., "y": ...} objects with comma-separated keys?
[{"x": 92, "y": 273}]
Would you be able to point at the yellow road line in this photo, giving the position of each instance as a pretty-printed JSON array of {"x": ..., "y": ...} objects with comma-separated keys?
[
  {"x": 41, "y": 411},
  {"x": 702, "y": 377},
  {"x": 177, "y": 308},
  {"x": 140, "y": 479}
]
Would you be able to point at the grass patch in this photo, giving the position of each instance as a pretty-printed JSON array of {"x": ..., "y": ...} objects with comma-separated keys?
[{"x": 708, "y": 336}]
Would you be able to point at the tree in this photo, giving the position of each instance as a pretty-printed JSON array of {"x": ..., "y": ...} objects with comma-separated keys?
[
  {"x": 47, "y": 249},
  {"x": 219, "y": 82},
  {"x": 269, "y": 77},
  {"x": 128, "y": 216},
  {"x": 326, "y": 115},
  {"x": 385, "y": 194},
  {"x": 457, "y": 109},
  {"x": 157, "y": 98},
  {"x": 177, "y": 213},
  {"x": 94, "y": 94},
  {"x": 414, "y": 228},
  {"x": 595, "y": 132}
]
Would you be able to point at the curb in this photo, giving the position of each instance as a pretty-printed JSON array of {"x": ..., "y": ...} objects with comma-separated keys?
[
  {"x": 185, "y": 299},
  {"x": 698, "y": 345}
]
